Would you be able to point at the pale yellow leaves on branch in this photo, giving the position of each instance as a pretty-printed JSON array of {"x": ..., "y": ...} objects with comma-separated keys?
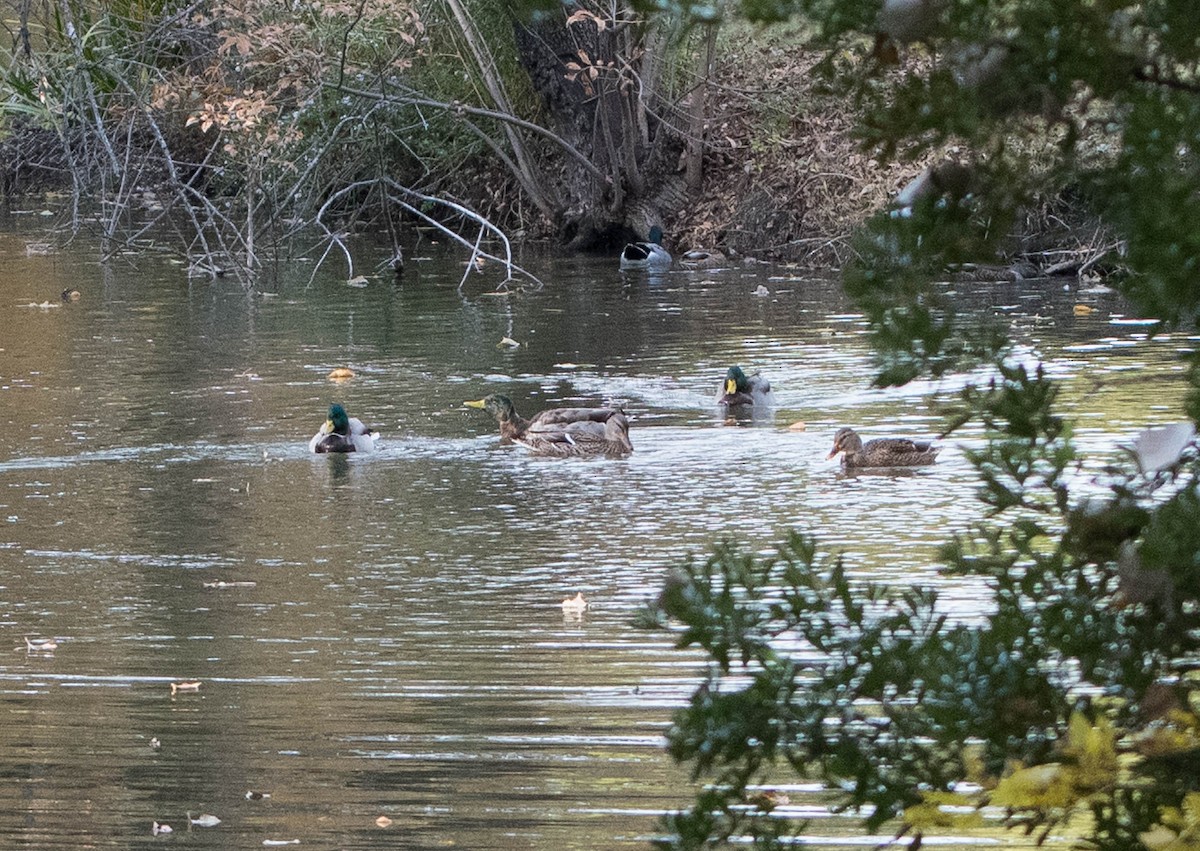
[
  {"x": 1180, "y": 734},
  {"x": 1178, "y": 829},
  {"x": 945, "y": 810},
  {"x": 1089, "y": 765}
]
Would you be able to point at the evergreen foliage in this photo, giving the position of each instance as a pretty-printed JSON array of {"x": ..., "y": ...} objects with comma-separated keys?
[{"x": 1076, "y": 700}]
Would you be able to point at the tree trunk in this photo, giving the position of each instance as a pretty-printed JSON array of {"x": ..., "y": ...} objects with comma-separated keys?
[
  {"x": 598, "y": 80},
  {"x": 698, "y": 113}
]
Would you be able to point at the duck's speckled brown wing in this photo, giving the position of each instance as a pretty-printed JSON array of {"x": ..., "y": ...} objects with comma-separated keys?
[
  {"x": 896, "y": 452},
  {"x": 568, "y": 432}
]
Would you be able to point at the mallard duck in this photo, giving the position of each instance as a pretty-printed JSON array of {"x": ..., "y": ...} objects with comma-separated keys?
[
  {"x": 561, "y": 432},
  {"x": 647, "y": 255},
  {"x": 881, "y": 452},
  {"x": 341, "y": 433},
  {"x": 739, "y": 389},
  {"x": 702, "y": 258}
]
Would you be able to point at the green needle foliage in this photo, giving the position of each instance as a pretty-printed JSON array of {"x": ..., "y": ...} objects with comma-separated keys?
[{"x": 1075, "y": 700}]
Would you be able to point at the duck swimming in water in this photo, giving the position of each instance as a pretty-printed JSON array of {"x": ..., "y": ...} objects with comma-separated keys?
[
  {"x": 646, "y": 255},
  {"x": 882, "y": 451},
  {"x": 703, "y": 258},
  {"x": 342, "y": 433},
  {"x": 562, "y": 432},
  {"x": 740, "y": 390}
]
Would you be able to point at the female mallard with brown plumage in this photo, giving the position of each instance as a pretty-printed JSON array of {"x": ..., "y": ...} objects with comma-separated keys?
[
  {"x": 882, "y": 451},
  {"x": 562, "y": 432}
]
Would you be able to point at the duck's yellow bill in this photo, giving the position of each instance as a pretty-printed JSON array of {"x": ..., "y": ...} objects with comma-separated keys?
[
  {"x": 478, "y": 403},
  {"x": 730, "y": 385}
]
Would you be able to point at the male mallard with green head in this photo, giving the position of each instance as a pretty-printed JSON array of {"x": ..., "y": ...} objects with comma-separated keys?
[
  {"x": 562, "y": 432},
  {"x": 739, "y": 390},
  {"x": 882, "y": 451},
  {"x": 342, "y": 433},
  {"x": 647, "y": 255}
]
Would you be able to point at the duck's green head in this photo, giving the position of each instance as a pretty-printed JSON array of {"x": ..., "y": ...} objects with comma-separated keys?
[
  {"x": 656, "y": 235},
  {"x": 338, "y": 422},
  {"x": 500, "y": 407},
  {"x": 735, "y": 381}
]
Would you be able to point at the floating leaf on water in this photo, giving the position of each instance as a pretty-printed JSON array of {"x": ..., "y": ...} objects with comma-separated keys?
[
  {"x": 761, "y": 291},
  {"x": 798, "y": 425},
  {"x": 204, "y": 820},
  {"x": 383, "y": 821},
  {"x": 40, "y": 645},
  {"x": 341, "y": 373},
  {"x": 574, "y": 604},
  {"x": 155, "y": 744},
  {"x": 160, "y": 827},
  {"x": 257, "y": 796},
  {"x": 508, "y": 343},
  {"x": 1159, "y": 448},
  {"x": 357, "y": 281},
  {"x": 1083, "y": 310},
  {"x": 185, "y": 685}
]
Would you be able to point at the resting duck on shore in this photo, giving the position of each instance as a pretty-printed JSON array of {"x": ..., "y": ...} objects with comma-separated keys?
[
  {"x": 562, "y": 432},
  {"x": 342, "y": 433},
  {"x": 740, "y": 390},
  {"x": 881, "y": 452},
  {"x": 703, "y": 258},
  {"x": 646, "y": 255}
]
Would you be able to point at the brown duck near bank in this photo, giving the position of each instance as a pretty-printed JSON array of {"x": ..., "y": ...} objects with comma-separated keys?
[
  {"x": 881, "y": 452},
  {"x": 562, "y": 432}
]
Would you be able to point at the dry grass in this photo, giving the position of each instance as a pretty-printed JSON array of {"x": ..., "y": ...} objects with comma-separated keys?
[{"x": 786, "y": 179}]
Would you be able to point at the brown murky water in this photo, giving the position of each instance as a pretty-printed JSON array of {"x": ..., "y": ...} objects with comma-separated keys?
[{"x": 390, "y": 640}]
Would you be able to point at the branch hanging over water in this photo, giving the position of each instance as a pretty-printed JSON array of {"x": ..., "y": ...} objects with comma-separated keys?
[{"x": 485, "y": 226}]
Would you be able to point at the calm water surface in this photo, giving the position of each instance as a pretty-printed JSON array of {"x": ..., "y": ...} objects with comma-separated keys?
[{"x": 395, "y": 644}]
